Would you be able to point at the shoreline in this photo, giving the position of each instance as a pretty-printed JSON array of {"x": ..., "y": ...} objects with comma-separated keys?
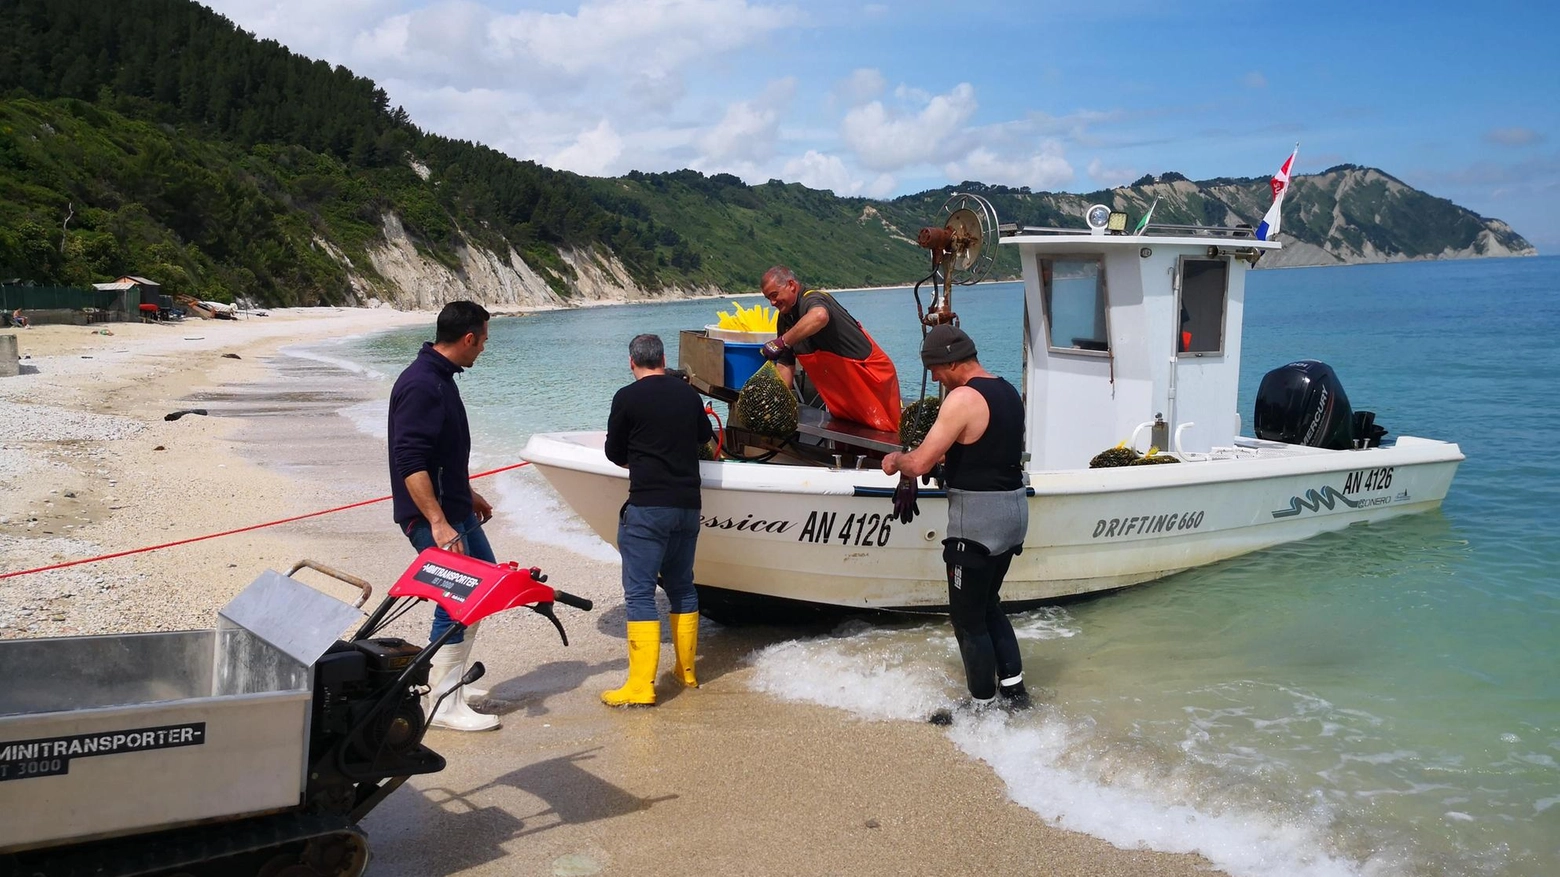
[{"x": 719, "y": 779}]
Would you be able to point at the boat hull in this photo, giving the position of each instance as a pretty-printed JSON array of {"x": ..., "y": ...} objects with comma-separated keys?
[{"x": 820, "y": 536}]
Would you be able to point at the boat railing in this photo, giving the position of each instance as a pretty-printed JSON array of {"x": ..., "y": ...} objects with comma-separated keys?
[{"x": 1012, "y": 229}]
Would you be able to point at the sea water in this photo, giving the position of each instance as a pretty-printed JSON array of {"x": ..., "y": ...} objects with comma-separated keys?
[{"x": 1379, "y": 701}]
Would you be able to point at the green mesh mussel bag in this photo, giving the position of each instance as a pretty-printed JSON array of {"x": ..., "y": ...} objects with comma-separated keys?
[
  {"x": 766, "y": 405},
  {"x": 1154, "y": 458},
  {"x": 917, "y": 419},
  {"x": 1117, "y": 456}
]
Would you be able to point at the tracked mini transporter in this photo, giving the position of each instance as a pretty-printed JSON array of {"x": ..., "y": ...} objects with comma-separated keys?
[{"x": 253, "y": 748}]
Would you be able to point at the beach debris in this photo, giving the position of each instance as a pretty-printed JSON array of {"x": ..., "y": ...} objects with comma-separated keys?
[
  {"x": 178, "y": 414},
  {"x": 873, "y": 823},
  {"x": 159, "y": 448},
  {"x": 231, "y": 356},
  {"x": 1120, "y": 455},
  {"x": 917, "y": 419},
  {"x": 766, "y": 405}
]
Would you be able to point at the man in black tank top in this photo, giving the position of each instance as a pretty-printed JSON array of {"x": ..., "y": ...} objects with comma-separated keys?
[{"x": 979, "y": 437}]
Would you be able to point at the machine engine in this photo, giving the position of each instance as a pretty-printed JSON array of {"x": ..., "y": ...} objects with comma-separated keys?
[
  {"x": 355, "y": 735},
  {"x": 1303, "y": 403}
]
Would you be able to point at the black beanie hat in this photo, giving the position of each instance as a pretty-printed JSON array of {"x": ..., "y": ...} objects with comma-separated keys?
[{"x": 944, "y": 344}]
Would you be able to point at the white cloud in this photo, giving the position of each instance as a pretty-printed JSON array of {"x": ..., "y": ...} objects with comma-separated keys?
[
  {"x": 605, "y": 86},
  {"x": 594, "y": 152},
  {"x": 749, "y": 129},
  {"x": 862, "y": 85},
  {"x": 650, "y": 35},
  {"x": 309, "y": 27},
  {"x": 1513, "y": 137},
  {"x": 818, "y": 171},
  {"x": 537, "y": 84},
  {"x": 1254, "y": 79},
  {"x": 1110, "y": 177},
  {"x": 1046, "y": 169},
  {"x": 889, "y": 140},
  {"x": 643, "y": 47}
]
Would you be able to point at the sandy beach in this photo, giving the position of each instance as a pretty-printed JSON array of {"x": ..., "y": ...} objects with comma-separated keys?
[{"x": 718, "y": 780}]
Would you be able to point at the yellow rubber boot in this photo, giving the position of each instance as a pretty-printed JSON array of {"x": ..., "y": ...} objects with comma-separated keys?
[
  {"x": 644, "y": 654},
  {"x": 685, "y": 638}
]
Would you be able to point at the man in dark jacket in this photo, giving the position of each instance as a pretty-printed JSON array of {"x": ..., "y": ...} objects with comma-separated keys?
[
  {"x": 656, "y": 427},
  {"x": 435, "y": 504}
]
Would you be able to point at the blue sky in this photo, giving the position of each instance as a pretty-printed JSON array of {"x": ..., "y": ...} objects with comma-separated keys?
[{"x": 880, "y": 99}]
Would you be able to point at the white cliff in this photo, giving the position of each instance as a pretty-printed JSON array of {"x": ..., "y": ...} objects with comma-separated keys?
[{"x": 407, "y": 279}]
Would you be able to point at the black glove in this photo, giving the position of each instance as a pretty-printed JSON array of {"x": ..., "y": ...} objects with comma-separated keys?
[
  {"x": 905, "y": 507},
  {"x": 776, "y": 349}
]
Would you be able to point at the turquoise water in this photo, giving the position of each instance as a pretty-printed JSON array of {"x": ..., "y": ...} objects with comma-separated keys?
[{"x": 1384, "y": 700}]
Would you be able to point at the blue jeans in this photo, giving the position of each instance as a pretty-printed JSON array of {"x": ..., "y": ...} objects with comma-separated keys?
[
  {"x": 657, "y": 541},
  {"x": 420, "y": 532}
]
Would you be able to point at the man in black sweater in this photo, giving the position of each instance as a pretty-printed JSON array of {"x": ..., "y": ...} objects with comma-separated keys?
[
  {"x": 430, "y": 483},
  {"x": 656, "y": 428}
]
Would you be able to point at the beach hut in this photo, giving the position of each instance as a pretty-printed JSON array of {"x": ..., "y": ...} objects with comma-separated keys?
[{"x": 133, "y": 292}]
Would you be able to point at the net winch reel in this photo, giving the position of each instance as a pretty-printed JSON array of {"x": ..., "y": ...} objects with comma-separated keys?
[{"x": 960, "y": 252}]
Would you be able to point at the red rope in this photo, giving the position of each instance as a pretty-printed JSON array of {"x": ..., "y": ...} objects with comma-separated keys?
[{"x": 229, "y": 532}]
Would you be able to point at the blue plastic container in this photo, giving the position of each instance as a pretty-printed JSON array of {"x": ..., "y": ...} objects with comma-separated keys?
[{"x": 741, "y": 361}]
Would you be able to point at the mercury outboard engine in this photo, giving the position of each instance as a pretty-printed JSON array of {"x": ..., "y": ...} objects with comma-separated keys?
[{"x": 1303, "y": 403}]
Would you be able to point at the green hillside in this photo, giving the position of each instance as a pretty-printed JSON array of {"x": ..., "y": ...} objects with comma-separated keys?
[{"x": 153, "y": 137}]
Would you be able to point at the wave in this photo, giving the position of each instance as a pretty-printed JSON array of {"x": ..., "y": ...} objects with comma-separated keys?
[{"x": 1066, "y": 769}]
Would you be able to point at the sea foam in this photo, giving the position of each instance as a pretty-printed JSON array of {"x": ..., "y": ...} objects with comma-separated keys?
[{"x": 1056, "y": 765}]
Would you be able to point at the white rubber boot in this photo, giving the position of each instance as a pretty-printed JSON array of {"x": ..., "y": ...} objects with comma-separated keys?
[
  {"x": 472, "y": 693},
  {"x": 444, "y": 673}
]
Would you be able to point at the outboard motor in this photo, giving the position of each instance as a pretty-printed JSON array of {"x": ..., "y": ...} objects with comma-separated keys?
[{"x": 1303, "y": 403}]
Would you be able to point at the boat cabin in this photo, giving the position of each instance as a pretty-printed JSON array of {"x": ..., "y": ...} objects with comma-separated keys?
[{"x": 1124, "y": 329}]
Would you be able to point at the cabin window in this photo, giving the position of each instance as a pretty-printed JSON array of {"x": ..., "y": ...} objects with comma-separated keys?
[
  {"x": 1204, "y": 288},
  {"x": 1074, "y": 296}
]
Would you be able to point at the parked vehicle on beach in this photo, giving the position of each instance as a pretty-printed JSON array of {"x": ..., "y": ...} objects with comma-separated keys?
[{"x": 1130, "y": 338}]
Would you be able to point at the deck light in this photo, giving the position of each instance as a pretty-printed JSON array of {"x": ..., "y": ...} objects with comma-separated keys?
[
  {"x": 1117, "y": 222},
  {"x": 1097, "y": 217}
]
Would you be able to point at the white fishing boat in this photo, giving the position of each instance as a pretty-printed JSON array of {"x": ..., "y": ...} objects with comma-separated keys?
[{"x": 1127, "y": 336}]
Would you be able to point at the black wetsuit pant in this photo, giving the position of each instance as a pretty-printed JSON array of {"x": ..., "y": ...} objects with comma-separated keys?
[{"x": 986, "y": 640}]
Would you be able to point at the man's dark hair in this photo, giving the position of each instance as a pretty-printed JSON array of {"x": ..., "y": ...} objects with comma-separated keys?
[
  {"x": 646, "y": 351},
  {"x": 458, "y": 319}
]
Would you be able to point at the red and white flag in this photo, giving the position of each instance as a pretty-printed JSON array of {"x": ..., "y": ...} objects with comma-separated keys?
[{"x": 1280, "y": 184}]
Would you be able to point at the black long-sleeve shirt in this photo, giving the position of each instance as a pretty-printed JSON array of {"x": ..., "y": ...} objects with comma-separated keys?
[
  {"x": 428, "y": 432},
  {"x": 655, "y": 429}
]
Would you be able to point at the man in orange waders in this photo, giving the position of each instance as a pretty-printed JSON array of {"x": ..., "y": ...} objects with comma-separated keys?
[{"x": 853, "y": 376}]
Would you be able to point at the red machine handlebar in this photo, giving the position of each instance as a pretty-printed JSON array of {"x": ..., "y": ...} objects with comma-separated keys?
[{"x": 470, "y": 589}]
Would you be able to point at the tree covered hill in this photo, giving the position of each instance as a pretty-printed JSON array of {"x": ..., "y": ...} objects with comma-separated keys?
[{"x": 153, "y": 137}]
